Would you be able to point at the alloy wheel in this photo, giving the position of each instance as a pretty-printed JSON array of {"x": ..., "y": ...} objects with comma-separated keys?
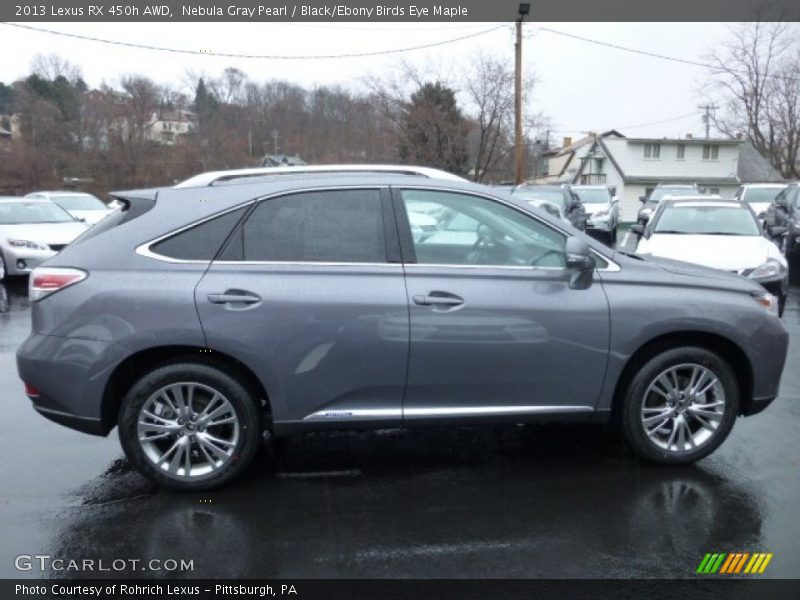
[
  {"x": 683, "y": 407},
  {"x": 188, "y": 430}
]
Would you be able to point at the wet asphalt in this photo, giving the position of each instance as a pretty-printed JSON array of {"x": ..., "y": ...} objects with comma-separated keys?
[{"x": 520, "y": 502}]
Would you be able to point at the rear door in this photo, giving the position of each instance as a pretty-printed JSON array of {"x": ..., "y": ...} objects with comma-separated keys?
[
  {"x": 496, "y": 329},
  {"x": 309, "y": 293}
]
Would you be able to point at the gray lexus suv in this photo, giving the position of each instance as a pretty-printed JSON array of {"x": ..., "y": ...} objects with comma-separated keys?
[{"x": 199, "y": 317}]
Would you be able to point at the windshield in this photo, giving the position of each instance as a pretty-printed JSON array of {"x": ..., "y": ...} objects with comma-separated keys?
[
  {"x": 79, "y": 202},
  {"x": 707, "y": 220},
  {"x": 554, "y": 196},
  {"x": 592, "y": 196},
  {"x": 660, "y": 192},
  {"x": 17, "y": 213},
  {"x": 761, "y": 194}
]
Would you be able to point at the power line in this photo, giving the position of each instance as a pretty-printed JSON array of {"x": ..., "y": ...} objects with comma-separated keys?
[
  {"x": 685, "y": 61},
  {"x": 250, "y": 56},
  {"x": 637, "y": 126}
]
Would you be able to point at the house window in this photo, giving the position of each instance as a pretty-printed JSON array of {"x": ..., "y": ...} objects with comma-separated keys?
[
  {"x": 652, "y": 150},
  {"x": 681, "y": 151},
  {"x": 710, "y": 152}
]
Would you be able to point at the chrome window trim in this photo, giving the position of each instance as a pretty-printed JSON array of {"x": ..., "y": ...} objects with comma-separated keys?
[
  {"x": 443, "y": 411},
  {"x": 145, "y": 250}
]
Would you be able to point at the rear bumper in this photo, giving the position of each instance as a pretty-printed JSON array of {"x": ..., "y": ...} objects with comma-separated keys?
[{"x": 70, "y": 375}]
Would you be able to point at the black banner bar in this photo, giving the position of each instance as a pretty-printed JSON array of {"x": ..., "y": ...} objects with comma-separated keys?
[
  {"x": 397, "y": 10},
  {"x": 730, "y": 588}
]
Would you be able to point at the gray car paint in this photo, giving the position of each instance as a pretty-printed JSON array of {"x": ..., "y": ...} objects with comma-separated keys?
[{"x": 338, "y": 338}]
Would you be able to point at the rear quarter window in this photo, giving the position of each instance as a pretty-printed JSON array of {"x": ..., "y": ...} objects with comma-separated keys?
[{"x": 201, "y": 241}]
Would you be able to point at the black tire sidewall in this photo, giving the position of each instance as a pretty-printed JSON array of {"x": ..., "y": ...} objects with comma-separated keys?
[
  {"x": 635, "y": 395},
  {"x": 244, "y": 402}
]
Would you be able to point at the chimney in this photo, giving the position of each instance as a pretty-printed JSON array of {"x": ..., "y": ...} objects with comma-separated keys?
[
  {"x": 567, "y": 142},
  {"x": 688, "y": 136}
]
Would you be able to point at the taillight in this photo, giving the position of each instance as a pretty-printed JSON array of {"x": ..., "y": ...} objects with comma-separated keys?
[
  {"x": 46, "y": 280},
  {"x": 31, "y": 391}
]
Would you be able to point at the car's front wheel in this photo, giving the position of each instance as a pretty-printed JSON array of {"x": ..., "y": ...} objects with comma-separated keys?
[
  {"x": 680, "y": 405},
  {"x": 189, "y": 426}
]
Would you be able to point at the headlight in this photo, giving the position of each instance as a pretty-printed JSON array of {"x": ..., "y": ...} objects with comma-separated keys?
[
  {"x": 768, "y": 302},
  {"x": 27, "y": 244},
  {"x": 771, "y": 268}
]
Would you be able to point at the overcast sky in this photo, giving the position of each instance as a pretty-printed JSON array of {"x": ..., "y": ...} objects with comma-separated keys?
[{"x": 581, "y": 86}]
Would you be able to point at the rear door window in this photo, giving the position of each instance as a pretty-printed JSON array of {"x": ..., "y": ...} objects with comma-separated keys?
[{"x": 340, "y": 226}]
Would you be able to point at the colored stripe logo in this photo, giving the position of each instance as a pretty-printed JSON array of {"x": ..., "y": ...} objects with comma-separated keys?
[{"x": 735, "y": 562}]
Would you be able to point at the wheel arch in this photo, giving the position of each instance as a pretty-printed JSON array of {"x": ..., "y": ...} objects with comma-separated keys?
[
  {"x": 724, "y": 347},
  {"x": 131, "y": 369}
]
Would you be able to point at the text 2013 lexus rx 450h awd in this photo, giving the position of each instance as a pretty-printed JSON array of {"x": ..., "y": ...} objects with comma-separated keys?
[{"x": 200, "y": 316}]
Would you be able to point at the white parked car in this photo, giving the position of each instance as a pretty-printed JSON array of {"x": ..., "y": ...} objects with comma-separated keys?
[
  {"x": 84, "y": 207},
  {"x": 716, "y": 233},
  {"x": 759, "y": 196},
  {"x": 31, "y": 231}
]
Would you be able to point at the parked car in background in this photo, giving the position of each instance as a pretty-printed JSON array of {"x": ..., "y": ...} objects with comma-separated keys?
[
  {"x": 201, "y": 316},
  {"x": 31, "y": 231},
  {"x": 557, "y": 199},
  {"x": 84, "y": 207},
  {"x": 759, "y": 196},
  {"x": 782, "y": 219},
  {"x": 602, "y": 210},
  {"x": 717, "y": 233},
  {"x": 649, "y": 203}
]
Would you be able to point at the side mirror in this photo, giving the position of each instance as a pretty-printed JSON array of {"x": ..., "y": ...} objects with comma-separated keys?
[
  {"x": 581, "y": 262},
  {"x": 637, "y": 228}
]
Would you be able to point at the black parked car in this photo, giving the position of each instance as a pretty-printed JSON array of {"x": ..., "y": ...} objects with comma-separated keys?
[
  {"x": 783, "y": 219},
  {"x": 560, "y": 200}
]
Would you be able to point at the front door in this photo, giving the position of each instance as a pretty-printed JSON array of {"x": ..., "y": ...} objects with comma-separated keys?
[{"x": 496, "y": 328}]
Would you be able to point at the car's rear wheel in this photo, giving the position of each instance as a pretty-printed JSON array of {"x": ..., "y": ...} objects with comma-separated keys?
[
  {"x": 189, "y": 426},
  {"x": 680, "y": 405}
]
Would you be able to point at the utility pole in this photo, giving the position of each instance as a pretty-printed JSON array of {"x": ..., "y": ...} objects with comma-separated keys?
[
  {"x": 707, "y": 117},
  {"x": 524, "y": 9},
  {"x": 275, "y": 135}
]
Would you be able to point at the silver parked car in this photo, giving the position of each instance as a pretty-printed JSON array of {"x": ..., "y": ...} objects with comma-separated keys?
[
  {"x": 201, "y": 316},
  {"x": 31, "y": 231},
  {"x": 83, "y": 207},
  {"x": 602, "y": 210}
]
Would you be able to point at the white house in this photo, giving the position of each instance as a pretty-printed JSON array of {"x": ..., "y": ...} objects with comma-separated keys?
[
  {"x": 634, "y": 166},
  {"x": 167, "y": 125}
]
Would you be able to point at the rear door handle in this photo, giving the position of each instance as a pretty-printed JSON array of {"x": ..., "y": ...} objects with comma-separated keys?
[
  {"x": 227, "y": 298},
  {"x": 436, "y": 300}
]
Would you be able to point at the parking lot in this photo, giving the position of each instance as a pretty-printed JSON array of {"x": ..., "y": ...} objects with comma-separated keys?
[{"x": 504, "y": 502}]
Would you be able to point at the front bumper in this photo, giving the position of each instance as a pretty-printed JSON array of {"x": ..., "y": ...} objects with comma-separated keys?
[
  {"x": 602, "y": 224},
  {"x": 21, "y": 261},
  {"x": 777, "y": 285}
]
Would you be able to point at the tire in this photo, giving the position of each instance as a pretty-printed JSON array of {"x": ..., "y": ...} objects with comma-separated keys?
[
  {"x": 668, "y": 441},
  {"x": 232, "y": 419},
  {"x": 782, "y": 304},
  {"x": 3, "y": 270}
]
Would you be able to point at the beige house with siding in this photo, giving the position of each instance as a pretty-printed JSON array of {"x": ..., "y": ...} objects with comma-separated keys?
[{"x": 635, "y": 166}]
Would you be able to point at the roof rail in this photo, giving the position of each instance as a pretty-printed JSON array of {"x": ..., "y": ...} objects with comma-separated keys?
[{"x": 213, "y": 177}]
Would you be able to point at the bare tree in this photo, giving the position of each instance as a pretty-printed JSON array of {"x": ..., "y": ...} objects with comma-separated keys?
[
  {"x": 52, "y": 66},
  {"x": 755, "y": 78}
]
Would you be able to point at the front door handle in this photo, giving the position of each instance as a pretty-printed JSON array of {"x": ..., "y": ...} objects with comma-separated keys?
[
  {"x": 438, "y": 299},
  {"x": 231, "y": 297}
]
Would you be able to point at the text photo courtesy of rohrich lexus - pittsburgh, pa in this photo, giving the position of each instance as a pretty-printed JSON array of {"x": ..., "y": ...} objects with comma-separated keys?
[{"x": 421, "y": 300}]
